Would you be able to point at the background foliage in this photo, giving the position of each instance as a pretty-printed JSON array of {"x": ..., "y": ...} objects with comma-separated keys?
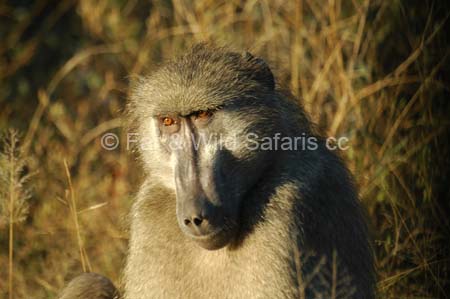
[{"x": 371, "y": 70}]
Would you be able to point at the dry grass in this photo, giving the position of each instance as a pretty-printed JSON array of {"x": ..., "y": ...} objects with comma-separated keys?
[{"x": 373, "y": 71}]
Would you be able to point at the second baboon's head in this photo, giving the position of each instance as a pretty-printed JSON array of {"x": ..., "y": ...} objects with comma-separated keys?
[{"x": 199, "y": 119}]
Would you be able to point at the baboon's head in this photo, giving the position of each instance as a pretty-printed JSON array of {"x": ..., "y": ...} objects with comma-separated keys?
[{"x": 199, "y": 118}]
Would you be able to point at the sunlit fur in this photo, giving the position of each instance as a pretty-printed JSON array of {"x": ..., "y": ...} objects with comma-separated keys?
[{"x": 289, "y": 203}]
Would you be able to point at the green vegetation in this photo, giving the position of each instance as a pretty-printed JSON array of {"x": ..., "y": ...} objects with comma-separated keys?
[{"x": 373, "y": 71}]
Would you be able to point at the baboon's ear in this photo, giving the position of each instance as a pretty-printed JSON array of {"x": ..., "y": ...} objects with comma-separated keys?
[{"x": 261, "y": 71}]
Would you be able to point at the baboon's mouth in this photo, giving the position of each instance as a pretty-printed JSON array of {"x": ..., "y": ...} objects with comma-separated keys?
[
  {"x": 208, "y": 236},
  {"x": 213, "y": 241}
]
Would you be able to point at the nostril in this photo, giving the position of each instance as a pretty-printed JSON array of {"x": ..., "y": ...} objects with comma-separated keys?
[
  {"x": 187, "y": 222},
  {"x": 198, "y": 221}
]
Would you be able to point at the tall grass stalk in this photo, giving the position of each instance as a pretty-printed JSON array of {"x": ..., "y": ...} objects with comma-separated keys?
[
  {"x": 73, "y": 209},
  {"x": 13, "y": 194},
  {"x": 11, "y": 215}
]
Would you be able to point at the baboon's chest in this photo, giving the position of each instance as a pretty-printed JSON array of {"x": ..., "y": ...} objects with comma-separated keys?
[{"x": 221, "y": 274}]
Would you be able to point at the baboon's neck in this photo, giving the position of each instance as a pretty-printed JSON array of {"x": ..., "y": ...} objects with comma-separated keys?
[{"x": 272, "y": 198}]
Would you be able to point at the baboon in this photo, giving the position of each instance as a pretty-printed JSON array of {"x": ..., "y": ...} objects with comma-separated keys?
[{"x": 241, "y": 198}]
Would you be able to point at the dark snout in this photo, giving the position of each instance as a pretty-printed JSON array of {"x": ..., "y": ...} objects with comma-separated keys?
[
  {"x": 198, "y": 212},
  {"x": 201, "y": 215},
  {"x": 202, "y": 210},
  {"x": 201, "y": 221},
  {"x": 197, "y": 216}
]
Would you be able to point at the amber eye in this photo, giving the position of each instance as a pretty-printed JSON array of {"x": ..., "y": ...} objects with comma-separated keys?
[
  {"x": 168, "y": 121},
  {"x": 203, "y": 114}
]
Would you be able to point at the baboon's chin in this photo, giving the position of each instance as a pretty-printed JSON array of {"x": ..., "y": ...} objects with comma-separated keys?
[{"x": 215, "y": 241}]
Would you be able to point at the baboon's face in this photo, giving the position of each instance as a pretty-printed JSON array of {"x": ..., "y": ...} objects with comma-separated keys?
[
  {"x": 197, "y": 113},
  {"x": 212, "y": 165}
]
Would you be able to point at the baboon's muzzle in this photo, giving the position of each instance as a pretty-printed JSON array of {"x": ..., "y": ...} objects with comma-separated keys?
[{"x": 201, "y": 215}]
